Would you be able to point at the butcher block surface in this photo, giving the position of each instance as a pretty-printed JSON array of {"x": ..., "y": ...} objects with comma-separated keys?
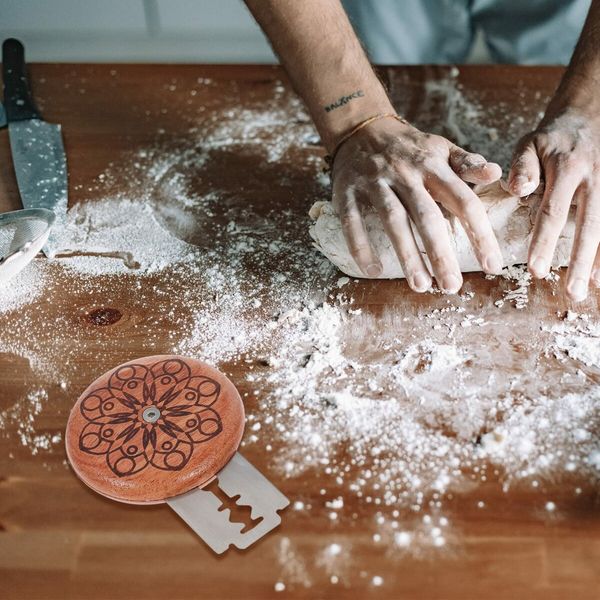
[{"x": 525, "y": 535}]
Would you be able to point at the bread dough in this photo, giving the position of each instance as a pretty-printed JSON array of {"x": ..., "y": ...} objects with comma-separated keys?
[{"x": 512, "y": 220}]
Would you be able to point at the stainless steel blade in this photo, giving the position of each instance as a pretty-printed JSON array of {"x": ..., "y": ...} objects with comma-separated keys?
[
  {"x": 41, "y": 169},
  {"x": 200, "y": 509},
  {"x": 255, "y": 490}
]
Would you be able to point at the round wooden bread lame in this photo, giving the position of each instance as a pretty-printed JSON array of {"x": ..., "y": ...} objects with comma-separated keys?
[
  {"x": 157, "y": 429},
  {"x": 154, "y": 428}
]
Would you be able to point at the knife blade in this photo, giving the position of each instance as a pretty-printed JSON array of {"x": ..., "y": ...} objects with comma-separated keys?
[{"x": 37, "y": 147}]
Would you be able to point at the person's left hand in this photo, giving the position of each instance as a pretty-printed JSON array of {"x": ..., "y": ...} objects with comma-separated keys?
[{"x": 565, "y": 150}]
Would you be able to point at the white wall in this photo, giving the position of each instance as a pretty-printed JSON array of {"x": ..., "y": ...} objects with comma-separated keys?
[
  {"x": 134, "y": 30},
  {"x": 141, "y": 31}
]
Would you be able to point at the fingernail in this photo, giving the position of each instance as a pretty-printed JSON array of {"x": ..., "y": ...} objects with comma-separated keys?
[
  {"x": 596, "y": 277},
  {"x": 421, "y": 282},
  {"x": 522, "y": 186},
  {"x": 374, "y": 270},
  {"x": 476, "y": 162},
  {"x": 450, "y": 284},
  {"x": 577, "y": 289},
  {"x": 528, "y": 188},
  {"x": 539, "y": 267},
  {"x": 493, "y": 264}
]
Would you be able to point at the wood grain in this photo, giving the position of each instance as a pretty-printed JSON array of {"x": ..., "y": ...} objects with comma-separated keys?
[{"x": 59, "y": 539}]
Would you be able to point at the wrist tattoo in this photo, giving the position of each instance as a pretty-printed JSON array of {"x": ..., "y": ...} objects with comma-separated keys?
[{"x": 344, "y": 100}]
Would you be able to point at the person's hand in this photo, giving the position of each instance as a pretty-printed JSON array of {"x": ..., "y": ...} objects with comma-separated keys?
[
  {"x": 565, "y": 151},
  {"x": 404, "y": 173}
]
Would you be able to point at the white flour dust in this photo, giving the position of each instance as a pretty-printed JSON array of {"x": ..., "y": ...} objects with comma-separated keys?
[
  {"x": 579, "y": 338},
  {"x": 415, "y": 423},
  {"x": 26, "y": 287},
  {"x": 22, "y": 415},
  {"x": 518, "y": 295},
  {"x": 484, "y": 125},
  {"x": 136, "y": 240},
  {"x": 389, "y": 408}
]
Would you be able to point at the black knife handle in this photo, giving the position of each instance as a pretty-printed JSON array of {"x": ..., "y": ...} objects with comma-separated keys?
[{"x": 18, "y": 101}]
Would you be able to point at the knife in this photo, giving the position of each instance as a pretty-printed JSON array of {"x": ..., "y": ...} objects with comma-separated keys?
[
  {"x": 2, "y": 116},
  {"x": 37, "y": 147}
]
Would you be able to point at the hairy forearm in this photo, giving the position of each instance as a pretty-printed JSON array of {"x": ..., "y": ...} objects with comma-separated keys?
[
  {"x": 325, "y": 62},
  {"x": 580, "y": 85}
]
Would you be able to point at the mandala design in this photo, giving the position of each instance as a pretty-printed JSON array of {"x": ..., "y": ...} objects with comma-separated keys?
[{"x": 150, "y": 415}]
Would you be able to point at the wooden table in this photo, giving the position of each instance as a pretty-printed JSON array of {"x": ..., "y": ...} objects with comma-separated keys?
[{"x": 60, "y": 540}]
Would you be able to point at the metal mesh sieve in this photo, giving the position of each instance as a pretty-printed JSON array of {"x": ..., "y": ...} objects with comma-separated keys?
[{"x": 22, "y": 235}]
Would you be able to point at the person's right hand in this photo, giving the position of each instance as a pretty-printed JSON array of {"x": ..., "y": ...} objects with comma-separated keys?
[{"x": 404, "y": 173}]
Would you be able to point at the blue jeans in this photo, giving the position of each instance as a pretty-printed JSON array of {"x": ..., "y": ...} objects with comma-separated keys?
[{"x": 442, "y": 31}]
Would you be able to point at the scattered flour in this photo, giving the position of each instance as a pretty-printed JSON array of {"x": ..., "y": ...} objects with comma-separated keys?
[
  {"x": 398, "y": 409},
  {"x": 136, "y": 240},
  {"x": 473, "y": 121},
  {"x": 579, "y": 338},
  {"x": 25, "y": 288},
  {"x": 22, "y": 415},
  {"x": 519, "y": 296}
]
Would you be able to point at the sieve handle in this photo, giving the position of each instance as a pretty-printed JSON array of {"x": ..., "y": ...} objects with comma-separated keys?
[{"x": 18, "y": 100}]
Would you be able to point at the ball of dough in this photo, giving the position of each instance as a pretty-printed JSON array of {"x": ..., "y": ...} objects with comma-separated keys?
[{"x": 512, "y": 220}]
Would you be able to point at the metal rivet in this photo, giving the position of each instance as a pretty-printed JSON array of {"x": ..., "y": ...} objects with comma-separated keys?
[{"x": 151, "y": 414}]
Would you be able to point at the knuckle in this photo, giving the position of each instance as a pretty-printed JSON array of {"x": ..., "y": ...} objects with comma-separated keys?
[
  {"x": 438, "y": 257},
  {"x": 537, "y": 139},
  {"x": 590, "y": 226},
  {"x": 394, "y": 226},
  {"x": 555, "y": 138},
  {"x": 479, "y": 239},
  {"x": 343, "y": 195},
  {"x": 413, "y": 180},
  {"x": 387, "y": 207},
  {"x": 350, "y": 219},
  {"x": 520, "y": 162},
  {"x": 405, "y": 172},
  {"x": 555, "y": 211},
  {"x": 406, "y": 180},
  {"x": 580, "y": 267},
  {"x": 392, "y": 215},
  {"x": 373, "y": 165},
  {"x": 430, "y": 163},
  {"x": 427, "y": 214},
  {"x": 410, "y": 258},
  {"x": 567, "y": 161},
  {"x": 544, "y": 247},
  {"x": 438, "y": 142},
  {"x": 420, "y": 157},
  {"x": 524, "y": 145},
  {"x": 338, "y": 203},
  {"x": 439, "y": 251},
  {"x": 580, "y": 262},
  {"x": 471, "y": 161},
  {"x": 467, "y": 204},
  {"x": 592, "y": 220},
  {"x": 476, "y": 158},
  {"x": 359, "y": 249}
]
